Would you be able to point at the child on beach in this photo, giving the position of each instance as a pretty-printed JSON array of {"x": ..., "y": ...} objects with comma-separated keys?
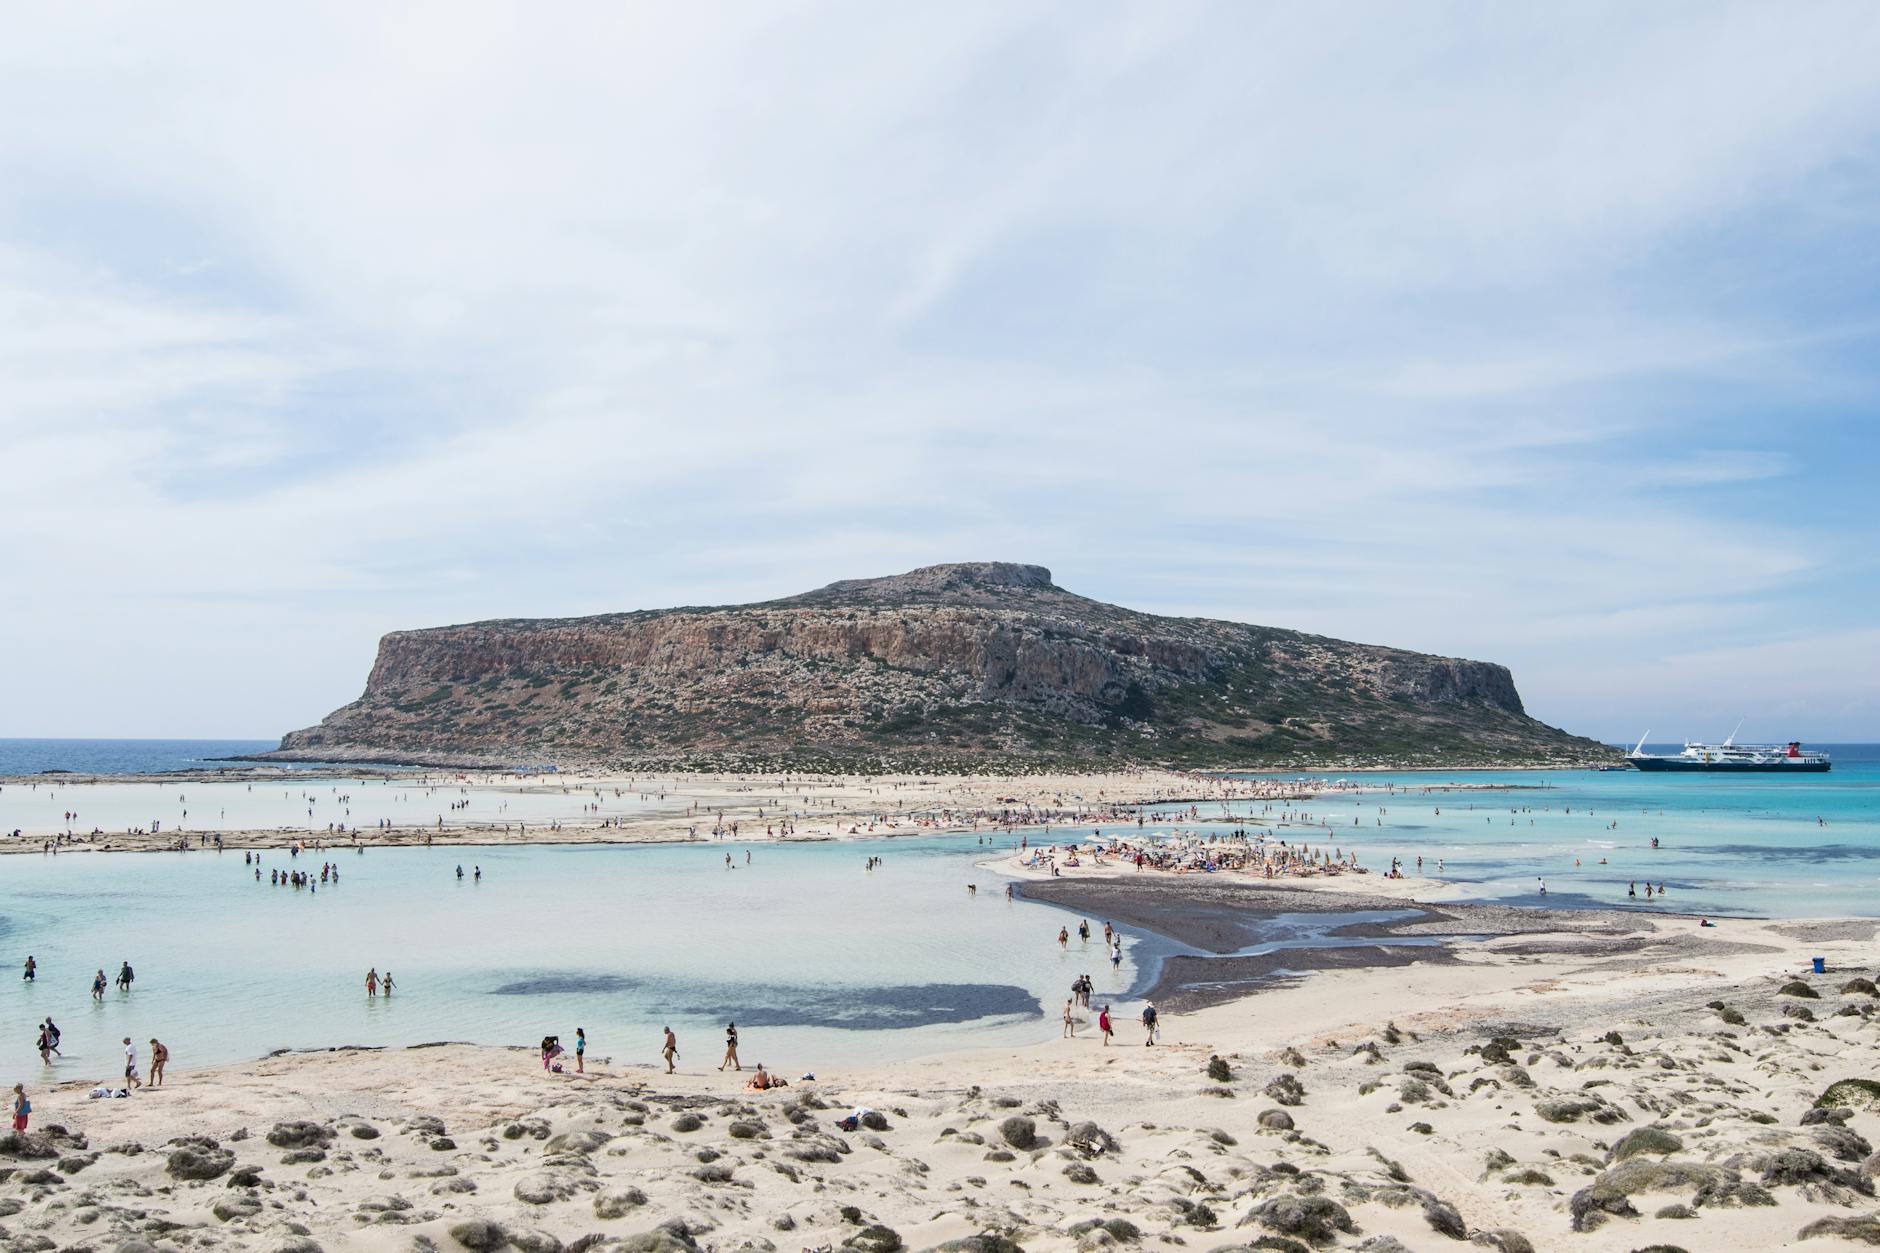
[
  {"x": 22, "y": 1109},
  {"x": 580, "y": 1050}
]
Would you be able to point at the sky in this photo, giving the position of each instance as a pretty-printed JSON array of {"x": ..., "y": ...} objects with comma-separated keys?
[{"x": 1546, "y": 335}]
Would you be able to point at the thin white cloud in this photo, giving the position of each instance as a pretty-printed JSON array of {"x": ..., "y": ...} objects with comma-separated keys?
[{"x": 1418, "y": 327}]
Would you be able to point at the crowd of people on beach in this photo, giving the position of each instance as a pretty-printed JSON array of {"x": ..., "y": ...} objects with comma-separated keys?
[{"x": 50, "y": 1037}]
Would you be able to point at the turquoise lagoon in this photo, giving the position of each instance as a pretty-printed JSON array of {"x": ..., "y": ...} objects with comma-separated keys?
[{"x": 821, "y": 962}]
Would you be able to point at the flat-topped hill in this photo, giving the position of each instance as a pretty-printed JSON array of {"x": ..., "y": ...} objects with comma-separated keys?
[{"x": 965, "y": 666}]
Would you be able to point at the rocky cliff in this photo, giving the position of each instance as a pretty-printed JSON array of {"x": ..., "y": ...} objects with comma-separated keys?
[{"x": 955, "y": 666}]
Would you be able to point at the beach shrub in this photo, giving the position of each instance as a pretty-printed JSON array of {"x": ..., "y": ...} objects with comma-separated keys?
[
  {"x": 1118, "y": 1229},
  {"x": 687, "y": 1122},
  {"x": 1848, "y": 1145},
  {"x": 1276, "y": 1120},
  {"x": 1285, "y": 1089},
  {"x": 199, "y": 1163},
  {"x": 1851, "y": 1093},
  {"x": 1316, "y": 1219},
  {"x": 1863, "y": 1230},
  {"x": 1019, "y": 1132},
  {"x": 1530, "y": 1178},
  {"x": 1799, "y": 1166},
  {"x": 875, "y": 1120},
  {"x": 1218, "y": 1070},
  {"x": 1732, "y": 1016},
  {"x": 1571, "y": 1109},
  {"x": 1653, "y": 1140},
  {"x": 1859, "y": 987},
  {"x": 984, "y": 1242},
  {"x": 1077, "y": 1172},
  {"x": 480, "y": 1235},
  {"x": 618, "y": 1203},
  {"x": 1504, "y": 1241},
  {"x": 1444, "y": 1219},
  {"x": 299, "y": 1134},
  {"x": 1795, "y": 987},
  {"x": 875, "y": 1238}
]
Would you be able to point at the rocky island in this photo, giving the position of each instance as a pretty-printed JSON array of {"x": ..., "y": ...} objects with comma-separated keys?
[{"x": 970, "y": 666}]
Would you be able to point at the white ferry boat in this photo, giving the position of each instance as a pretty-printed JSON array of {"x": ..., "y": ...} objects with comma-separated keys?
[{"x": 1729, "y": 756}]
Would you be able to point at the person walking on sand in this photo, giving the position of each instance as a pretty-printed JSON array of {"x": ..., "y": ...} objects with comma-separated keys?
[
  {"x": 130, "y": 1064},
  {"x": 580, "y": 1050},
  {"x": 670, "y": 1049},
  {"x": 731, "y": 1048},
  {"x": 98, "y": 986},
  {"x": 1148, "y": 1025},
  {"x": 22, "y": 1109},
  {"x": 1104, "y": 1025},
  {"x": 159, "y": 1056},
  {"x": 1070, "y": 1022},
  {"x": 372, "y": 983}
]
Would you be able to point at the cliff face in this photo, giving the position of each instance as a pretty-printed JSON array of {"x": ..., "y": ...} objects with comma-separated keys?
[{"x": 966, "y": 665}]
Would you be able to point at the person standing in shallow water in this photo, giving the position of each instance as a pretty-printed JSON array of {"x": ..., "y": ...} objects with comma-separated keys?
[
  {"x": 32, "y": 969},
  {"x": 125, "y": 977},
  {"x": 731, "y": 1048},
  {"x": 372, "y": 983},
  {"x": 98, "y": 986}
]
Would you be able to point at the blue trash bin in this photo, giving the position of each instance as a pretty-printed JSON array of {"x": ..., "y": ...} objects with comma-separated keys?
[{"x": 1821, "y": 965}]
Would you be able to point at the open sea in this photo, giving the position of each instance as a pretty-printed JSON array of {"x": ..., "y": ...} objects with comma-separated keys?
[{"x": 821, "y": 962}]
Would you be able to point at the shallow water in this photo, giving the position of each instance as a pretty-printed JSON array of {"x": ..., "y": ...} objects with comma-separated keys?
[
  {"x": 1753, "y": 844},
  {"x": 819, "y": 961}
]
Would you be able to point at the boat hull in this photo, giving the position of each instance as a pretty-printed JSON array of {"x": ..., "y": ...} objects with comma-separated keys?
[{"x": 1674, "y": 765}]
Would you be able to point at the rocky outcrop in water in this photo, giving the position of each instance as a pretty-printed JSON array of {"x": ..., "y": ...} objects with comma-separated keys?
[{"x": 953, "y": 666}]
